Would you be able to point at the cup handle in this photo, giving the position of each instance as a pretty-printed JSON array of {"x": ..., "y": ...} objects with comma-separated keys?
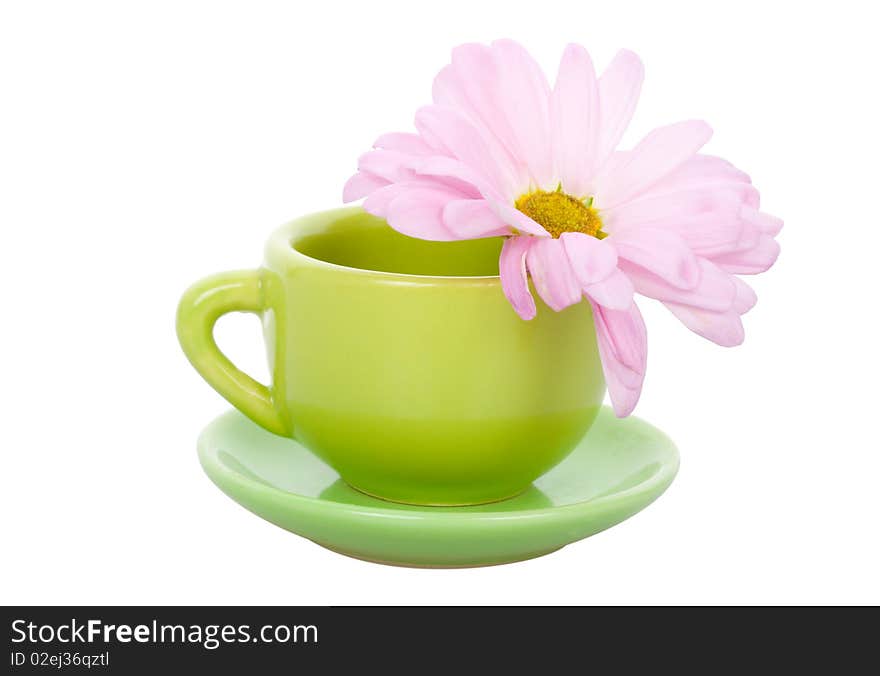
[{"x": 199, "y": 309}]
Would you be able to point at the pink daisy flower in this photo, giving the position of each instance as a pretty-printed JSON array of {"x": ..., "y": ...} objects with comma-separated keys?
[{"x": 501, "y": 153}]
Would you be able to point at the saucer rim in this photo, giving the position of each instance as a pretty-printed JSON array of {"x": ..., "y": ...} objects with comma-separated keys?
[{"x": 652, "y": 487}]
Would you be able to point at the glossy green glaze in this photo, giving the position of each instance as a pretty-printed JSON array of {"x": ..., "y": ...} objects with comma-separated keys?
[
  {"x": 619, "y": 468},
  {"x": 400, "y": 362},
  {"x": 199, "y": 309}
]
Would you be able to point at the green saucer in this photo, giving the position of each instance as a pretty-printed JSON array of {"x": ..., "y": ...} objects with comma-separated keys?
[{"x": 619, "y": 468}]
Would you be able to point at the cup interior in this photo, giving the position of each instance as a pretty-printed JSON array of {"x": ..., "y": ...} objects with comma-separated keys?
[{"x": 367, "y": 243}]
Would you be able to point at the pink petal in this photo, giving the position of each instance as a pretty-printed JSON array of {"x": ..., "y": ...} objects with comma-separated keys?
[
  {"x": 470, "y": 219},
  {"x": 615, "y": 292},
  {"x": 749, "y": 236},
  {"x": 701, "y": 170},
  {"x": 661, "y": 252},
  {"x": 715, "y": 291},
  {"x": 447, "y": 91},
  {"x": 618, "y": 90},
  {"x": 461, "y": 139},
  {"x": 377, "y": 202},
  {"x": 456, "y": 172},
  {"x": 627, "y": 336},
  {"x": 615, "y": 160},
  {"x": 470, "y": 85},
  {"x": 574, "y": 116},
  {"x": 592, "y": 260},
  {"x": 706, "y": 234},
  {"x": 745, "y": 297},
  {"x": 708, "y": 218},
  {"x": 361, "y": 185},
  {"x": 419, "y": 213},
  {"x": 675, "y": 204},
  {"x": 524, "y": 98},
  {"x": 723, "y": 328},
  {"x": 712, "y": 233},
  {"x": 751, "y": 261},
  {"x": 391, "y": 165},
  {"x": 552, "y": 274},
  {"x": 769, "y": 225},
  {"x": 514, "y": 280},
  {"x": 701, "y": 185},
  {"x": 659, "y": 153},
  {"x": 517, "y": 219},
  {"x": 623, "y": 349},
  {"x": 411, "y": 144}
]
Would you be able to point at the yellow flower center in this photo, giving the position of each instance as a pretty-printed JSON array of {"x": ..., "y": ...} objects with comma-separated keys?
[{"x": 558, "y": 212}]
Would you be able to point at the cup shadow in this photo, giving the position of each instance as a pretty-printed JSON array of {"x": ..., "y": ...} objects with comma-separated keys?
[{"x": 531, "y": 498}]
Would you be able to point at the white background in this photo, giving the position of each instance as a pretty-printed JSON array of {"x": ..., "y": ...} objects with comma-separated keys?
[{"x": 145, "y": 145}]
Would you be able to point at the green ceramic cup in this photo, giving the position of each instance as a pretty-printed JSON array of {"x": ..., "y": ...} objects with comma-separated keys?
[{"x": 399, "y": 361}]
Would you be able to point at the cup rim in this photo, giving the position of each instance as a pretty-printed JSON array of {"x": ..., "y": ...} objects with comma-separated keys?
[{"x": 280, "y": 248}]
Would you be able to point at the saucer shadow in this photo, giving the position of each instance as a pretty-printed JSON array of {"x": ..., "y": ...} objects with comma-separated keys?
[{"x": 531, "y": 498}]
